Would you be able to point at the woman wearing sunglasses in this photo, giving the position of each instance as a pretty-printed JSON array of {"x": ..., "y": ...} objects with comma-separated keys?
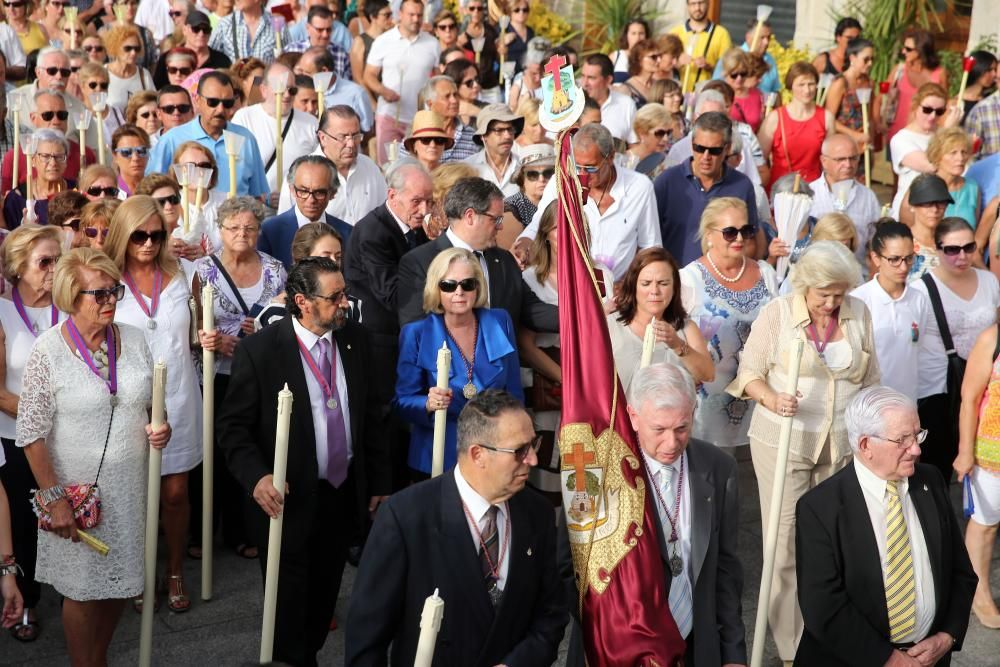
[
  {"x": 842, "y": 98},
  {"x": 167, "y": 193},
  {"x": 483, "y": 354},
  {"x": 838, "y": 360},
  {"x": 652, "y": 126},
  {"x": 94, "y": 47},
  {"x": 921, "y": 66},
  {"x": 99, "y": 182},
  {"x": 127, "y": 74},
  {"x": 643, "y": 66},
  {"x": 141, "y": 112},
  {"x": 465, "y": 74},
  {"x": 30, "y": 254},
  {"x": 95, "y": 79},
  {"x": 738, "y": 69},
  {"x": 95, "y": 222},
  {"x": 49, "y": 165},
  {"x": 538, "y": 163},
  {"x": 130, "y": 151},
  {"x": 519, "y": 34},
  {"x": 51, "y": 14},
  {"x": 428, "y": 140}
]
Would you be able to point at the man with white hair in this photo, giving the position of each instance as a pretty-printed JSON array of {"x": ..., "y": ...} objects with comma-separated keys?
[
  {"x": 52, "y": 72},
  {"x": 696, "y": 496},
  {"x": 883, "y": 574}
]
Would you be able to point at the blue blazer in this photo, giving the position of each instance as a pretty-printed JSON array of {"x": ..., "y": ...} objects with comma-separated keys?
[
  {"x": 276, "y": 235},
  {"x": 496, "y": 367}
]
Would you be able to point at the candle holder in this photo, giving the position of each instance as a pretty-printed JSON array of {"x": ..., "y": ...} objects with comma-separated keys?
[
  {"x": 234, "y": 145},
  {"x": 477, "y": 45},
  {"x": 120, "y": 9},
  {"x": 321, "y": 81},
  {"x": 763, "y": 14},
  {"x": 504, "y": 22},
  {"x": 16, "y": 106},
  {"x": 392, "y": 151},
  {"x": 841, "y": 191},
  {"x": 278, "y": 83},
  {"x": 30, "y": 147},
  {"x": 865, "y": 98},
  {"x": 183, "y": 175},
  {"x": 71, "y": 15},
  {"x": 278, "y": 24},
  {"x": 823, "y": 85},
  {"x": 772, "y": 99},
  {"x": 99, "y": 102}
]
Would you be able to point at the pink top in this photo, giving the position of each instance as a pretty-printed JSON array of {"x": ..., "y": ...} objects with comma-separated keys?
[
  {"x": 906, "y": 93},
  {"x": 749, "y": 109}
]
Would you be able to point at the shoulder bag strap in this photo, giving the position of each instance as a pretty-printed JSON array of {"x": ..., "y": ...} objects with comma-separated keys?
[
  {"x": 232, "y": 285},
  {"x": 784, "y": 141},
  {"x": 704, "y": 54},
  {"x": 236, "y": 42},
  {"x": 284, "y": 134},
  {"x": 942, "y": 321},
  {"x": 107, "y": 436},
  {"x": 996, "y": 348}
]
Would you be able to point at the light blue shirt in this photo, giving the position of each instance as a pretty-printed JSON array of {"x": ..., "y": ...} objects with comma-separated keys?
[
  {"x": 769, "y": 83},
  {"x": 986, "y": 172},
  {"x": 343, "y": 91},
  {"x": 340, "y": 36},
  {"x": 250, "y": 178}
]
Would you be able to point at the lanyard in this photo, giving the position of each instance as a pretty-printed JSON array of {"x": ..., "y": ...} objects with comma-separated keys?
[
  {"x": 19, "y": 306},
  {"x": 314, "y": 369},
  {"x": 150, "y": 310},
  {"x": 814, "y": 335},
  {"x": 81, "y": 348},
  {"x": 677, "y": 501},
  {"x": 494, "y": 570}
]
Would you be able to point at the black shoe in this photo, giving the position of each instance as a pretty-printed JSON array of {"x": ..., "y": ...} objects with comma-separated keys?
[{"x": 354, "y": 555}]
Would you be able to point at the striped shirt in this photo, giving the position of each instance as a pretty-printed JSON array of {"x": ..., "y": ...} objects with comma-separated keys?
[
  {"x": 341, "y": 59},
  {"x": 261, "y": 46}
]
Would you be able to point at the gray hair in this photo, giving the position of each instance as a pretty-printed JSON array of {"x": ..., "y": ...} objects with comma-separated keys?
[
  {"x": 664, "y": 387},
  {"x": 709, "y": 96},
  {"x": 341, "y": 111},
  {"x": 715, "y": 122},
  {"x": 230, "y": 208},
  {"x": 535, "y": 52},
  {"x": 398, "y": 175},
  {"x": 787, "y": 184},
  {"x": 50, "y": 92},
  {"x": 825, "y": 263},
  {"x": 48, "y": 51},
  {"x": 429, "y": 92},
  {"x": 479, "y": 419},
  {"x": 595, "y": 134},
  {"x": 319, "y": 160},
  {"x": 49, "y": 136},
  {"x": 865, "y": 414},
  {"x": 474, "y": 193}
]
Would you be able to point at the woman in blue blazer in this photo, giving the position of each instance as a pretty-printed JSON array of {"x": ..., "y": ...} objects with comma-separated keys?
[{"x": 483, "y": 354}]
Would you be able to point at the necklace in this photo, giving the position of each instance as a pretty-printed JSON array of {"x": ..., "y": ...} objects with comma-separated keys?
[
  {"x": 494, "y": 590},
  {"x": 150, "y": 310},
  {"x": 828, "y": 334},
  {"x": 676, "y": 562},
  {"x": 743, "y": 267},
  {"x": 469, "y": 390}
]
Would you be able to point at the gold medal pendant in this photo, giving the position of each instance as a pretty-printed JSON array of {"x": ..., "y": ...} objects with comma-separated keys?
[{"x": 469, "y": 391}]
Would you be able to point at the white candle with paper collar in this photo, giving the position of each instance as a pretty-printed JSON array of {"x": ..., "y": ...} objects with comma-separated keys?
[
  {"x": 234, "y": 144},
  {"x": 321, "y": 81},
  {"x": 157, "y": 420},
  {"x": 81, "y": 121},
  {"x": 207, "y": 437},
  {"x": 648, "y": 343},
  {"x": 15, "y": 101},
  {"x": 99, "y": 102},
  {"x": 430, "y": 624},
  {"x": 864, "y": 98},
  {"x": 441, "y": 414}
]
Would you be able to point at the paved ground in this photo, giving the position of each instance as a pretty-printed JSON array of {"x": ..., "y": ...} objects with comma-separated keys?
[{"x": 226, "y": 631}]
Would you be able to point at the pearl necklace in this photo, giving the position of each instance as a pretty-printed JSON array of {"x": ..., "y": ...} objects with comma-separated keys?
[{"x": 726, "y": 278}]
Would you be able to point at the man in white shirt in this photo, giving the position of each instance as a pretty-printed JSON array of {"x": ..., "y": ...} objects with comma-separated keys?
[
  {"x": 620, "y": 206},
  {"x": 883, "y": 574},
  {"x": 298, "y": 129},
  {"x": 52, "y": 73},
  {"x": 838, "y": 191},
  {"x": 617, "y": 110},
  {"x": 399, "y": 64},
  {"x": 496, "y": 129},
  {"x": 362, "y": 186}
]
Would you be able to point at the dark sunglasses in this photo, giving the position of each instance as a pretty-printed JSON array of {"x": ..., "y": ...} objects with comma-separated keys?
[
  {"x": 446, "y": 26},
  {"x": 173, "y": 200},
  {"x": 292, "y": 91},
  {"x": 202, "y": 165},
  {"x": 174, "y": 13},
  {"x": 183, "y": 71},
  {"x": 739, "y": 75},
  {"x": 92, "y": 232},
  {"x": 96, "y": 191},
  {"x": 73, "y": 224},
  {"x": 140, "y": 152},
  {"x": 131, "y": 49},
  {"x": 659, "y": 134},
  {"x": 93, "y": 48},
  {"x": 171, "y": 109},
  {"x": 519, "y": 10},
  {"x": 937, "y": 111},
  {"x": 475, "y": 9},
  {"x": 534, "y": 175},
  {"x": 62, "y": 71},
  {"x": 437, "y": 141},
  {"x": 953, "y": 250},
  {"x": 47, "y": 116},
  {"x": 468, "y": 285},
  {"x": 711, "y": 150},
  {"x": 46, "y": 263},
  {"x": 203, "y": 29},
  {"x": 470, "y": 83},
  {"x": 15, "y": 4},
  {"x": 729, "y": 234},
  {"x": 140, "y": 236},
  {"x": 521, "y": 452},
  {"x": 226, "y": 102},
  {"x": 145, "y": 115},
  {"x": 94, "y": 85},
  {"x": 102, "y": 296}
]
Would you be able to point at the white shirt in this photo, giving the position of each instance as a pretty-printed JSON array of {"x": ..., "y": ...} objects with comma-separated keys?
[
  {"x": 482, "y": 164},
  {"x": 317, "y": 401},
  {"x": 155, "y": 16},
  {"x": 617, "y": 114},
  {"x": 10, "y": 45},
  {"x": 302, "y": 220},
  {"x": 896, "y": 322},
  {"x": 406, "y": 65},
  {"x": 478, "y": 506},
  {"x": 629, "y": 224},
  {"x": 362, "y": 191},
  {"x": 120, "y": 90},
  {"x": 861, "y": 206},
  {"x": 877, "y": 501},
  {"x": 459, "y": 243},
  {"x": 903, "y": 143},
  {"x": 300, "y": 140}
]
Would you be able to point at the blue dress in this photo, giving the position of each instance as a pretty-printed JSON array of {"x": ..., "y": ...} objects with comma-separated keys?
[{"x": 496, "y": 367}]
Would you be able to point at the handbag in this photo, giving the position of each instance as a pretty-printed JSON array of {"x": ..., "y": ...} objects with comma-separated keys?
[
  {"x": 545, "y": 393},
  {"x": 956, "y": 364},
  {"x": 85, "y": 499}
]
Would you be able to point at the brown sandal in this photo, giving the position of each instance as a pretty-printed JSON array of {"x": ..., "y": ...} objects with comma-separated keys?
[{"x": 177, "y": 602}]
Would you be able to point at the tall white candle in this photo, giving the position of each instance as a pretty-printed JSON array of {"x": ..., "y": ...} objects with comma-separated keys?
[
  {"x": 274, "y": 535},
  {"x": 430, "y": 625},
  {"x": 152, "y": 516},
  {"x": 441, "y": 416},
  {"x": 648, "y": 342},
  {"x": 208, "y": 443}
]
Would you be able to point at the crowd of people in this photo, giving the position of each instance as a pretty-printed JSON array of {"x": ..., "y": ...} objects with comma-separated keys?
[{"x": 412, "y": 208}]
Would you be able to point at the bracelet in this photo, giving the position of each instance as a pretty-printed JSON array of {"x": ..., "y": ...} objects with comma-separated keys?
[
  {"x": 685, "y": 348},
  {"x": 48, "y": 496},
  {"x": 9, "y": 566}
]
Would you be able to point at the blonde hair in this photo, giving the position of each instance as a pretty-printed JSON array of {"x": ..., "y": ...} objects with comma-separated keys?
[
  {"x": 128, "y": 217},
  {"x": 136, "y": 102},
  {"x": 209, "y": 157},
  {"x": 19, "y": 244},
  {"x": 94, "y": 172},
  {"x": 713, "y": 210},
  {"x": 89, "y": 71},
  {"x": 835, "y": 227},
  {"x": 439, "y": 268},
  {"x": 99, "y": 211},
  {"x": 823, "y": 264},
  {"x": 734, "y": 59},
  {"x": 446, "y": 175},
  {"x": 945, "y": 141},
  {"x": 649, "y": 116},
  {"x": 528, "y": 107},
  {"x": 68, "y": 280}
]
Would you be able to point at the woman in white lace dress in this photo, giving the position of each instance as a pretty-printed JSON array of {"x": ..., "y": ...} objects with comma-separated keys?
[{"x": 88, "y": 382}]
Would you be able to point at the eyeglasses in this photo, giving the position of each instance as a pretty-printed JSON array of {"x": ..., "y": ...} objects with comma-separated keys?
[
  {"x": 141, "y": 236},
  {"x": 93, "y": 48},
  {"x": 102, "y": 296},
  {"x": 711, "y": 150},
  {"x": 659, "y": 134},
  {"x": 182, "y": 71},
  {"x": 448, "y": 285},
  {"x": 344, "y": 138},
  {"x": 306, "y": 193},
  {"x": 470, "y": 83},
  {"x": 96, "y": 191},
  {"x": 175, "y": 14},
  {"x": 203, "y": 29},
  {"x": 15, "y": 4},
  {"x": 907, "y": 49},
  {"x": 519, "y": 10},
  {"x": 73, "y": 223},
  {"x": 953, "y": 250},
  {"x": 226, "y": 102},
  {"x": 446, "y": 26},
  {"x": 47, "y": 116},
  {"x": 92, "y": 232},
  {"x": 94, "y": 85},
  {"x": 145, "y": 115},
  {"x": 140, "y": 152},
  {"x": 841, "y": 160},
  {"x": 533, "y": 175},
  {"x": 336, "y": 297},
  {"x": 506, "y": 129},
  {"x": 246, "y": 230},
  {"x": 937, "y": 111},
  {"x": 729, "y": 234},
  {"x": 46, "y": 263},
  {"x": 171, "y": 109},
  {"x": 64, "y": 72},
  {"x": 520, "y": 453},
  {"x": 321, "y": 31},
  {"x": 906, "y": 441},
  {"x": 437, "y": 141},
  {"x": 475, "y": 8},
  {"x": 898, "y": 260},
  {"x": 738, "y": 75},
  {"x": 131, "y": 48},
  {"x": 202, "y": 165},
  {"x": 57, "y": 158},
  {"x": 173, "y": 200}
]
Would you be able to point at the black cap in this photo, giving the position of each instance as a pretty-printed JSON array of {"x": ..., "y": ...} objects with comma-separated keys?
[
  {"x": 929, "y": 189},
  {"x": 197, "y": 18}
]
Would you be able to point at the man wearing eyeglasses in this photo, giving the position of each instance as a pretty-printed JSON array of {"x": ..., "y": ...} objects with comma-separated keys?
[
  {"x": 704, "y": 44},
  {"x": 496, "y": 129},
  {"x": 473, "y": 534},
  {"x": 49, "y": 113},
  {"x": 884, "y": 577},
  {"x": 340, "y": 91},
  {"x": 312, "y": 182},
  {"x": 215, "y": 100}
]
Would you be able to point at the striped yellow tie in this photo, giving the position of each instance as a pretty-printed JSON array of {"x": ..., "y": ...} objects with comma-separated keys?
[{"x": 900, "y": 588}]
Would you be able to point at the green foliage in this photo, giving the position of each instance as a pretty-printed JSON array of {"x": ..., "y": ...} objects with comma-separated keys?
[
  {"x": 612, "y": 15},
  {"x": 593, "y": 483},
  {"x": 952, "y": 63},
  {"x": 987, "y": 43}
]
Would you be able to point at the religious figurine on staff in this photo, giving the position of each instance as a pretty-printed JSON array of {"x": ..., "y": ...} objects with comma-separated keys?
[{"x": 338, "y": 464}]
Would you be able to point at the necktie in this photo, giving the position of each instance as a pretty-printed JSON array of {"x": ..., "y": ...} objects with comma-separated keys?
[
  {"x": 900, "y": 587},
  {"x": 336, "y": 432},
  {"x": 681, "y": 606},
  {"x": 489, "y": 553},
  {"x": 411, "y": 239}
]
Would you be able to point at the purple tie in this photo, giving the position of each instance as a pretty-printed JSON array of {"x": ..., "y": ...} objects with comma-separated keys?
[{"x": 336, "y": 433}]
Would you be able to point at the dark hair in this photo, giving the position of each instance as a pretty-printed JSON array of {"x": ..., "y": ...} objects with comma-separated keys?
[
  {"x": 442, "y": 59},
  {"x": 290, "y": 59},
  {"x": 542, "y": 259},
  {"x": 983, "y": 62},
  {"x": 623, "y": 38},
  {"x": 477, "y": 420},
  {"x": 638, "y": 52},
  {"x": 752, "y": 23},
  {"x": 887, "y": 229},
  {"x": 308, "y": 235},
  {"x": 800, "y": 68},
  {"x": 64, "y": 205},
  {"x": 474, "y": 193},
  {"x": 844, "y": 24},
  {"x": 715, "y": 122},
  {"x": 371, "y": 8},
  {"x": 856, "y": 46},
  {"x": 127, "y": 130},
  {"x": 217, "y": 76},
  {"x": 322, "y": 58},
  {"x": 319, "y": 161},
  {"x": 923, "y": 41},
  {"x": 590, "y": 103},
  {"x": 722, "y": 88},
  {"x": 303, "y": 81},
  {"x": 674, "y": 314},
  {"x": 948, "y": 225},
  {"x": 602, "y": 61},
  {"x": 321, "y": 11},
  {"x": 456, "y": 68},
  {"x": 171, "y": 89},
  {"x": 338, "y": 111},
  {"x": 304, "y": 279}
]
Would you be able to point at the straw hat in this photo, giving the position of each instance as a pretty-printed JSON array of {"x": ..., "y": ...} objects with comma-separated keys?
[{"x": 427, "y": 124}]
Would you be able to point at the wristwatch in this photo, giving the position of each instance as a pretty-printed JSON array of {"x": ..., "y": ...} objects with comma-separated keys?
[{"x": 50, "y": 495}]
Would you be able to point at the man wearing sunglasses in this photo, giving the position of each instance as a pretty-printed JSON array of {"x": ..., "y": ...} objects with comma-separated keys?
[
  {"x": 215, "y": 100},
  {"x": 52, "y": 73},
  {"x": 173, "y": 108},
  {"x": 683, "y": 191},
  {"x": 472, "y": 533},
  {"x": 340, "y": 91}
]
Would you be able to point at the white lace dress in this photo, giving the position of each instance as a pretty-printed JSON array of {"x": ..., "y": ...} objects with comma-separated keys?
[{"x": 69, "y": 407}]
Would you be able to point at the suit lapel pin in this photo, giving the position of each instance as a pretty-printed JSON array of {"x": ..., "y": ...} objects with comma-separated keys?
[
  {"x": 348, "y": 346},
  {"x": 925, "y": 487},
  {"x": 529, "y": 551}
]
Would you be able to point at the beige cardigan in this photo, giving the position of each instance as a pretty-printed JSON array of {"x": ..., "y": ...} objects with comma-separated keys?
[{"x": 825, "y": 393}]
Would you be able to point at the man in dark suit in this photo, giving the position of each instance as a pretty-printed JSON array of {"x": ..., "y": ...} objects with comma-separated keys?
[
  {"x": 883, "y": 574},
  {"x": 474, "y": 207},
  {"x": 478, "y": 537},
  {"x": 312, "y": 182},
  {"x": 338, "y": 469}
]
